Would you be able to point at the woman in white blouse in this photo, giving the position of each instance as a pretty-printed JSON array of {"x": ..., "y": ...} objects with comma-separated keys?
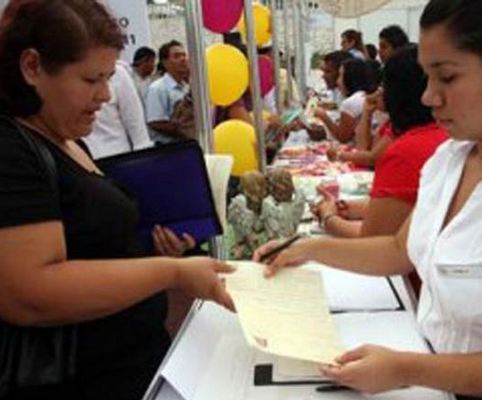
[
  {"x": 354, "y": 81},
  {"x": 442, "y": 239}
]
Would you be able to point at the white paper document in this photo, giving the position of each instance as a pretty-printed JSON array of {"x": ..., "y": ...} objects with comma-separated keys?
[{"x": 286, "y": 315}]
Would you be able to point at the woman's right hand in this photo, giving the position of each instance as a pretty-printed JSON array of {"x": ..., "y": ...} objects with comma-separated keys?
[
  {"x": 295, "y": 255},
  {"x": 197, "y": 276}
]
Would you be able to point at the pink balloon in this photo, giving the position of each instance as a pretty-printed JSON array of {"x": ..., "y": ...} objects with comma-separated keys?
[
  {"x": 221, "y": 16},
  {"x": 266, "y": 70}
]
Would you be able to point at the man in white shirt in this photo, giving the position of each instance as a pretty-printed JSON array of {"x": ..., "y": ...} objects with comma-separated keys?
[
  {"x": 331, "y": 70},
  {"x": 143, "y": 65},
  {"x": 120, "y": 126},
  {"x": 164, "y": 93}
]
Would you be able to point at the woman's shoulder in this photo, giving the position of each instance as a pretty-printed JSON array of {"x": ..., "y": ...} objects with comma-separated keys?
[
  {"x": 12, "y": 142},
  {"x": 451, "y": 149},
  {"x": 353, "y": 104}
]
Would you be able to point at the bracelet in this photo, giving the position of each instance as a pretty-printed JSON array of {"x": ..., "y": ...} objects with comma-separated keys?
[{"x": 326, "y": 218}]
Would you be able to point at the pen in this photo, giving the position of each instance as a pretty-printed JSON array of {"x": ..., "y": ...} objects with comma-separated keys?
[{"x": 280, "y": 247}]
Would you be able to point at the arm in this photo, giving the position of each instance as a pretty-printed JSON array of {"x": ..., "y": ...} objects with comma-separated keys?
[
  {"x": 380, "y": 255},
  {"x": 342, "y": 228},
  {"x": 238, "y": 111},
  {"x": 374, "y": 369},
  {"x": 363, "y": 131},
  {"x": 366, "y": 157},
  {"x": 332, "y": 218},
  {"x": 385, "y": 216},
  {"x": 344, "y": 130},
  {"x": 355, "y": 209},
  {"x": 39, "y": 286},
  {"x": 164, "y": 126},
  {"x": 157, "y": 116}
]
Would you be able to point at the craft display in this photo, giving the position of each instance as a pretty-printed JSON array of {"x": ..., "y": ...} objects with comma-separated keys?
[{"x": 268, "y": 207}]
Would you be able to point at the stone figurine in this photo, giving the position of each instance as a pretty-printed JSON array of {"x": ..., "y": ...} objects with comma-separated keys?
[{"x": 268, "y": 207}]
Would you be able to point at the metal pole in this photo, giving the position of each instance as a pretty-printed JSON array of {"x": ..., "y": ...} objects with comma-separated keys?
[
  {"x": 200, "y": 93},
  {"x": 200, "y": 90},
  {"x": 255, "y": 83},
  {"x": 287, "y": 50},
  {"x": 276, "y": 57},
  {"x": 300, "y": 48}
]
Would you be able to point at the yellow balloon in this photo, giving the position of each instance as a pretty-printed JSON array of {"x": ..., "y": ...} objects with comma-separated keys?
[
  {"x": 228, "y": 73},
  {"x": 262, "y": 24},
  {"x": 237, "y": 138}
]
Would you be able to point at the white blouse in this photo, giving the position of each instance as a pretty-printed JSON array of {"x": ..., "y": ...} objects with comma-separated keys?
[{"x": 449, "y": 260}]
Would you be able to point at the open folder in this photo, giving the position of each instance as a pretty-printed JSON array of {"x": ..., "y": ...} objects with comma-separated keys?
[{"x": 171, "y": 185}]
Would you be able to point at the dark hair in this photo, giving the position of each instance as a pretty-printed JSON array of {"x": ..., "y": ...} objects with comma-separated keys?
[
  {"x": 356, "y": 37},
  {"x": 462, "y": 19},
  {"x": 357, "y": 76},
  {"x": 337, "y": 57},
  {"x": 376, "y": 73},
  {"x": 234, "y": 39},
  {"x": 372, "y": 51},
  {"x": 404, "y": 83},
  {"x": 394, "y": 35},
  {"x": 61, "y": 31},
  {"x": 164, "y": 52},
  {"x": 142, "y": 54}
]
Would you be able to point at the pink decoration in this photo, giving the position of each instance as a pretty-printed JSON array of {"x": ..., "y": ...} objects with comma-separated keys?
[
  {"x": 220, "y": 16},
  {"x": 266, "y": 71}
]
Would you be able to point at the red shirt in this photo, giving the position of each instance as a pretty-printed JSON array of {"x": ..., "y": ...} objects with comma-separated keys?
[{"x": 397, "y": 171}]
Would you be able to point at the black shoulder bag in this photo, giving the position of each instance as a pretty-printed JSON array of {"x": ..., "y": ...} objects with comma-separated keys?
[{"x": 31, "y": 356}]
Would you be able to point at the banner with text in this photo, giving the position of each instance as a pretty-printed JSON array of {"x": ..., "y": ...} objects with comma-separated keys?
[{"x": 132, "y": 16}]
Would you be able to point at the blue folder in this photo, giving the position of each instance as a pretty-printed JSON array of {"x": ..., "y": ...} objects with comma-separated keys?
[{"x": 171, "y": 185}]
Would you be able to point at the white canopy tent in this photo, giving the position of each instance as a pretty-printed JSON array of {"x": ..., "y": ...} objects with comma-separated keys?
[{"x": 351, "y": 8}]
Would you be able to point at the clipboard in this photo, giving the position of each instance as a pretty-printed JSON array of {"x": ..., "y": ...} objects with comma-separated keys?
[
  {"x": 171, "y": 186},
  {"x": 263, "y": 376}
]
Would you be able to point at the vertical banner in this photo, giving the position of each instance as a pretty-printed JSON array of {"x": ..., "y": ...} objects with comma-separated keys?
[{"x": 132, "y": 16}]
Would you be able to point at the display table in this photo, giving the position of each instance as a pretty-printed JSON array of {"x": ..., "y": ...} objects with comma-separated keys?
[{"x": 210, "y": 358}]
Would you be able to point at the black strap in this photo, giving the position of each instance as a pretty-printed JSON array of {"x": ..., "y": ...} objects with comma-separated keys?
[{"x": 40, "y": 149}]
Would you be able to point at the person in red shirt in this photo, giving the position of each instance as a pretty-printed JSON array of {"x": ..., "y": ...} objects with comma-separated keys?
[{"x": 397, "y": 171}]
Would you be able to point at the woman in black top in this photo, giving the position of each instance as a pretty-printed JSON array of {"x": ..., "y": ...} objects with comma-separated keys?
[{"x": 67, "y": 248}]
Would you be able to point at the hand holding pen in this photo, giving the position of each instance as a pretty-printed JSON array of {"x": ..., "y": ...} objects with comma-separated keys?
[{"x": 278, "y": 254}]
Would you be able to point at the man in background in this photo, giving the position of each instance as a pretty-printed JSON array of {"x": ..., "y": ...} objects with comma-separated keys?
[
  {"x": 164, "y": 93},
  {"x": 120, "y": 124},
  {"x": 331, "y": 69},
  {"x": 143, "y": 65},
  {"x": 390, "y": 39}
]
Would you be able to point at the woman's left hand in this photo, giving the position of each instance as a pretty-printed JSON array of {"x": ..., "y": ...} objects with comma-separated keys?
[
  {"x": 368, "y": 369},
  {"x": 167, "y": 243},
  {"x": 325, "y": 207}
]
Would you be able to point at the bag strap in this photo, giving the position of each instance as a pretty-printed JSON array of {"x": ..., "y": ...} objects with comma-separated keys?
[{"x": 40, "y": 149}]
